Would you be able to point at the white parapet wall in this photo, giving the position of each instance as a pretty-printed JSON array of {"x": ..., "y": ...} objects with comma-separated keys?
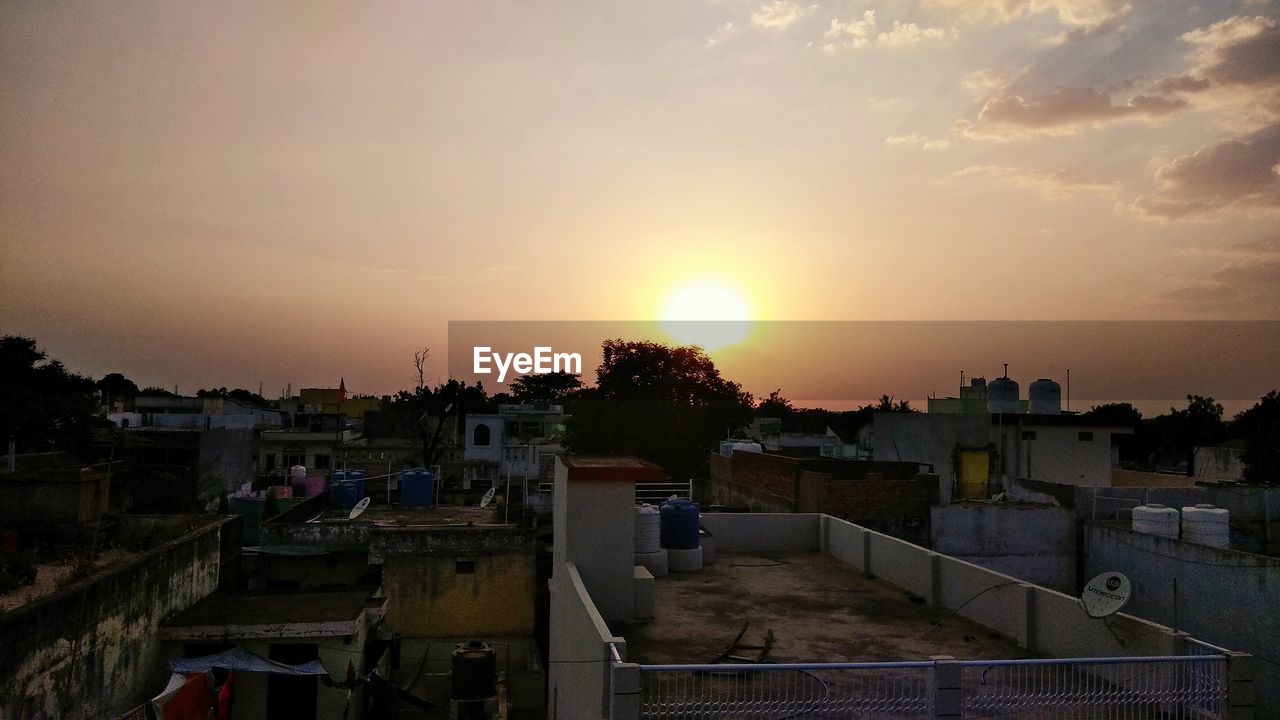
[{"x": 579, "y": 655}]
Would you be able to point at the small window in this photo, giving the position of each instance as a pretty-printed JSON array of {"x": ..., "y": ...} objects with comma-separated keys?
[
  {"x": 1085, "y": 437},
  {"x": 480, "y": 436},
  {"x": 1028, "y": 434},
  {"x": 465, "y": 567}
]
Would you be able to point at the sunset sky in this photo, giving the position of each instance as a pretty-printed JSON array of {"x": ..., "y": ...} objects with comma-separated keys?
[{"x": 228, "y": 193}]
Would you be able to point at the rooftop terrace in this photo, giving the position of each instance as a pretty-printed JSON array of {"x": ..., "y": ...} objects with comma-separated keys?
[{"x": 817, "y": 608}]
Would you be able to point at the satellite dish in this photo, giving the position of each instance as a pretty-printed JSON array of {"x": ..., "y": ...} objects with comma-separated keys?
[
  {"x": 1105, "y": 594},
  {"x": 359, "y": 508},
  {"x": 488, "y": 497}
]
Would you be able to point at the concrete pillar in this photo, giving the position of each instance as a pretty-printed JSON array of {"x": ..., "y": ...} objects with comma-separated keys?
[
  {"x": 625, "y": 703},
  {"x": 1239, "y": 704},
  {"x": 866, "y": 552},
  {"x": 1028, "y": 640},
  {"x": 935, "y": 579},
  {"x": 944, "y": 688}
]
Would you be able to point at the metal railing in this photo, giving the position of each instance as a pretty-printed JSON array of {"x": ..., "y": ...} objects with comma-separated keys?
[
  {"x": 863, "y": 690},
  {"x": 1153, "y": 687},
  {"x": 1190, "y": 686},
  {"x": 656, "y": 493}
]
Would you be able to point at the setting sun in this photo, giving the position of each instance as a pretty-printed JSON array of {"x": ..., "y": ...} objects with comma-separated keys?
[{"x": 709, "y": 314}]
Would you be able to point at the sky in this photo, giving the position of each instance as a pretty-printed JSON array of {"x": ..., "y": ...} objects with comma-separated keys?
[{"x": 289, "y": 193}]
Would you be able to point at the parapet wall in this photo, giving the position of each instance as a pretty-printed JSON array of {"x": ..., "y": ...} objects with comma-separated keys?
[{"x": 91, "y": 649}]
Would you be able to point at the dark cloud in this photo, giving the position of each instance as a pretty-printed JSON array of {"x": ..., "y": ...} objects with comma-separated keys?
[
  {"x": 1241, "y": 172},
  {"x": 1070, "y": 106},
  {"x": 1249, "y": 290}
]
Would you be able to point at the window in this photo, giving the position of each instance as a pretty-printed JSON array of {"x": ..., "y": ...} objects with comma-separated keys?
[
  {"x": 1028, "y": 434},
  {"x": 465, "y": 567},
  {"x": 480, "y": 436},
  {"x": 322, "y": 462},
  {"x": 1085, "y": 436},
  {"x": 271, "y": 462}
]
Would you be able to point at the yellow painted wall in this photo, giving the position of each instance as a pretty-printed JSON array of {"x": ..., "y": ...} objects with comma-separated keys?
[{"x": 427, "y": 597}]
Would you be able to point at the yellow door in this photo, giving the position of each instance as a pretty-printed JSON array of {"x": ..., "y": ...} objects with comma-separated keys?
[{"x": 973, "y": 474}]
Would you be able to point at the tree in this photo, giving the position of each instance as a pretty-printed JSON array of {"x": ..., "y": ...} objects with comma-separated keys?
[
  {"x": 668, "y": 405},
  {"x": 431, "y": 408},
  {"x": 1114, "y": 414},
  {"x": 239, "y": 394},
  {"x": 554, "y": 387},
  {"x": 886, "y": 404},
  {"x": 115, "y": 386},
  {"x": 776, "y": 406},
  {"x": 43, "y": 406},
  {"x": 1260, "y": 428}
]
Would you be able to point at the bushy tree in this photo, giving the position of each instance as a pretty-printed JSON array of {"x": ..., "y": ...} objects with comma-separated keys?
[
  {"x": 554, "y": 387},
  {"x": 668, "y": 405},
  {"x": 43, "y": 406},
  {"x": 1259, "y": 426}
]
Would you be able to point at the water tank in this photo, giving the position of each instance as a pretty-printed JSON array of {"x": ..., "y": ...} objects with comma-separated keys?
[
  {"x": 978, "y": 382},
  {"x": 1156, "y": 519},
  {"x": 417, "y": 488},
  {"x": 1002, "y": 396},
  {"x": 1045, "y": 397},
  {"x": 297, "y": 474},
  {"x": 475, "y": 671},
  {"x": 648, "y": 529},
  {"x": 1206, "y": 525},
  {"x": 346, "y": 488},
  {"x": 679, "y": 524},
  {"x": 743, "y": 446}
]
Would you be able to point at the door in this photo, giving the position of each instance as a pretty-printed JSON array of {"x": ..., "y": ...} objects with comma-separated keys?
[{"x": 973, "y": 474}]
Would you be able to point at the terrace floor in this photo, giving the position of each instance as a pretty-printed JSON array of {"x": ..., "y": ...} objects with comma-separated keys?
[{"x": 819, "y": 609}]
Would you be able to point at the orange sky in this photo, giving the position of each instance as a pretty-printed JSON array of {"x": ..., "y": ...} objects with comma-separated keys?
[{"x": 288, "y": 193}]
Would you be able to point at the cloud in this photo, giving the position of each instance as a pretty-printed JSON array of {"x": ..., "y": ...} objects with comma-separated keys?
[
  {"x": 1238, "y": 173},
  {"x": 722, "y": 33},
  {"x": 1052, "y": 184},
  {"x": 1235, "y": 62},
  {"x": 853, "y": 33},
  {"x": 989, "y": 81},
  {"x": 921, "y": 141},
  {"x": 1081, "y": 14},
  {"x": 780, "y": 14},
  {"x": 1251, "y": 289},
  {"x": 1067, "y": 108},
  {"x": 904, "y": 34}
]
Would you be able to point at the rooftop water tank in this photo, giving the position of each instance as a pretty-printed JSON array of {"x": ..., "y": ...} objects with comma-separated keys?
[
  {"x": 743, "y": 446},
  {"x": 1156, "y": 519},
  {"x": 475, "y": 671},
  {"x": 978, "y": 382},
  {"x": 679, "y": 524},
  {"x": 1045, "y": 397},
  {"x": 1002, "y": 396},
  {"x": 417, "y": 487},
  {"x": 648, "y": 529},
  {"x": 1207, "y": 525},
  {"x": 297, "y": 473},
  {"x": 346, "y": 488}
]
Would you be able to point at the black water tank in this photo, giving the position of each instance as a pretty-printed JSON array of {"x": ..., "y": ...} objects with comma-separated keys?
[{"x": 475, "y": 671}]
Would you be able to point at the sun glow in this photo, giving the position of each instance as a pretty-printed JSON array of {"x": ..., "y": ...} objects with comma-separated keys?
[{"x": 706, "y": 313}]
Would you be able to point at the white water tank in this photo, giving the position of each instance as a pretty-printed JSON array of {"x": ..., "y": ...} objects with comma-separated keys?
[
  {"x": 1207, "y": 525},
  {"x": 1156, "y": 519},
  {"x": 297, "y": 473},
  {"x": 746, "y": 447},
  {"x": 1045, "y": 397},
  {"x": 648, "y": 529},
  {"x": 1002, "y": 396}
]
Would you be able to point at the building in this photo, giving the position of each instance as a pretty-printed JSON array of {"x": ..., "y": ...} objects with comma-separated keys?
[
  {"x": 333, "y": 401},
  {"x": 311, "y": 445},
  {"x": 514, "y": 441},
  {"x": 921, "y": 635}
]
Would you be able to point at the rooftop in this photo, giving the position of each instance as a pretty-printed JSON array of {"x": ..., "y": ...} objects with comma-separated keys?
[
  {"x": 400, "y": 516},
  {"x": 267, "y": 615},
  {"x": 819, "y": 610}
]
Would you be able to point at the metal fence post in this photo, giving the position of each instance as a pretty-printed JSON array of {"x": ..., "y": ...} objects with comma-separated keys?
[
  {"x": 945, "y": 696},
  {"x": 1239, "y": 669}
]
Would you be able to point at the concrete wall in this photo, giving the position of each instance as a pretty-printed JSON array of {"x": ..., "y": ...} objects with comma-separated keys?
[
  {"x": 1057, "y": 454},
  {"x": 924, "y": 438},
  {"x": 1224, "y": 597},
  {"x": 1044, "y": 621},
  {"x": 579, "y": 657},
  {"x": 1137, "y": 478},
  {"x": 91, "y": 649},
  {"x": 595, "y": 530},
  {"x": 764, "y": 532},
  {"x": 427, "y": 597},
  {"x": 1255, "y": 511},
  {"x": 1036, "y": 544}
]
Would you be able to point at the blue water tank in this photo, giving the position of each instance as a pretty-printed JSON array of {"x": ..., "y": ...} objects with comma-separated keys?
[
  {"x": 417, "y": 488},
  {"x": 346, "y": 488},
  {"x": 679, "y": 524}
]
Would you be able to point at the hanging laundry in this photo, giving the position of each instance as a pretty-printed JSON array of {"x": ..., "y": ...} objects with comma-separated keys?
[
  {"x": 222, "y": 709},
  {"x": 187, "y": 697}
]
